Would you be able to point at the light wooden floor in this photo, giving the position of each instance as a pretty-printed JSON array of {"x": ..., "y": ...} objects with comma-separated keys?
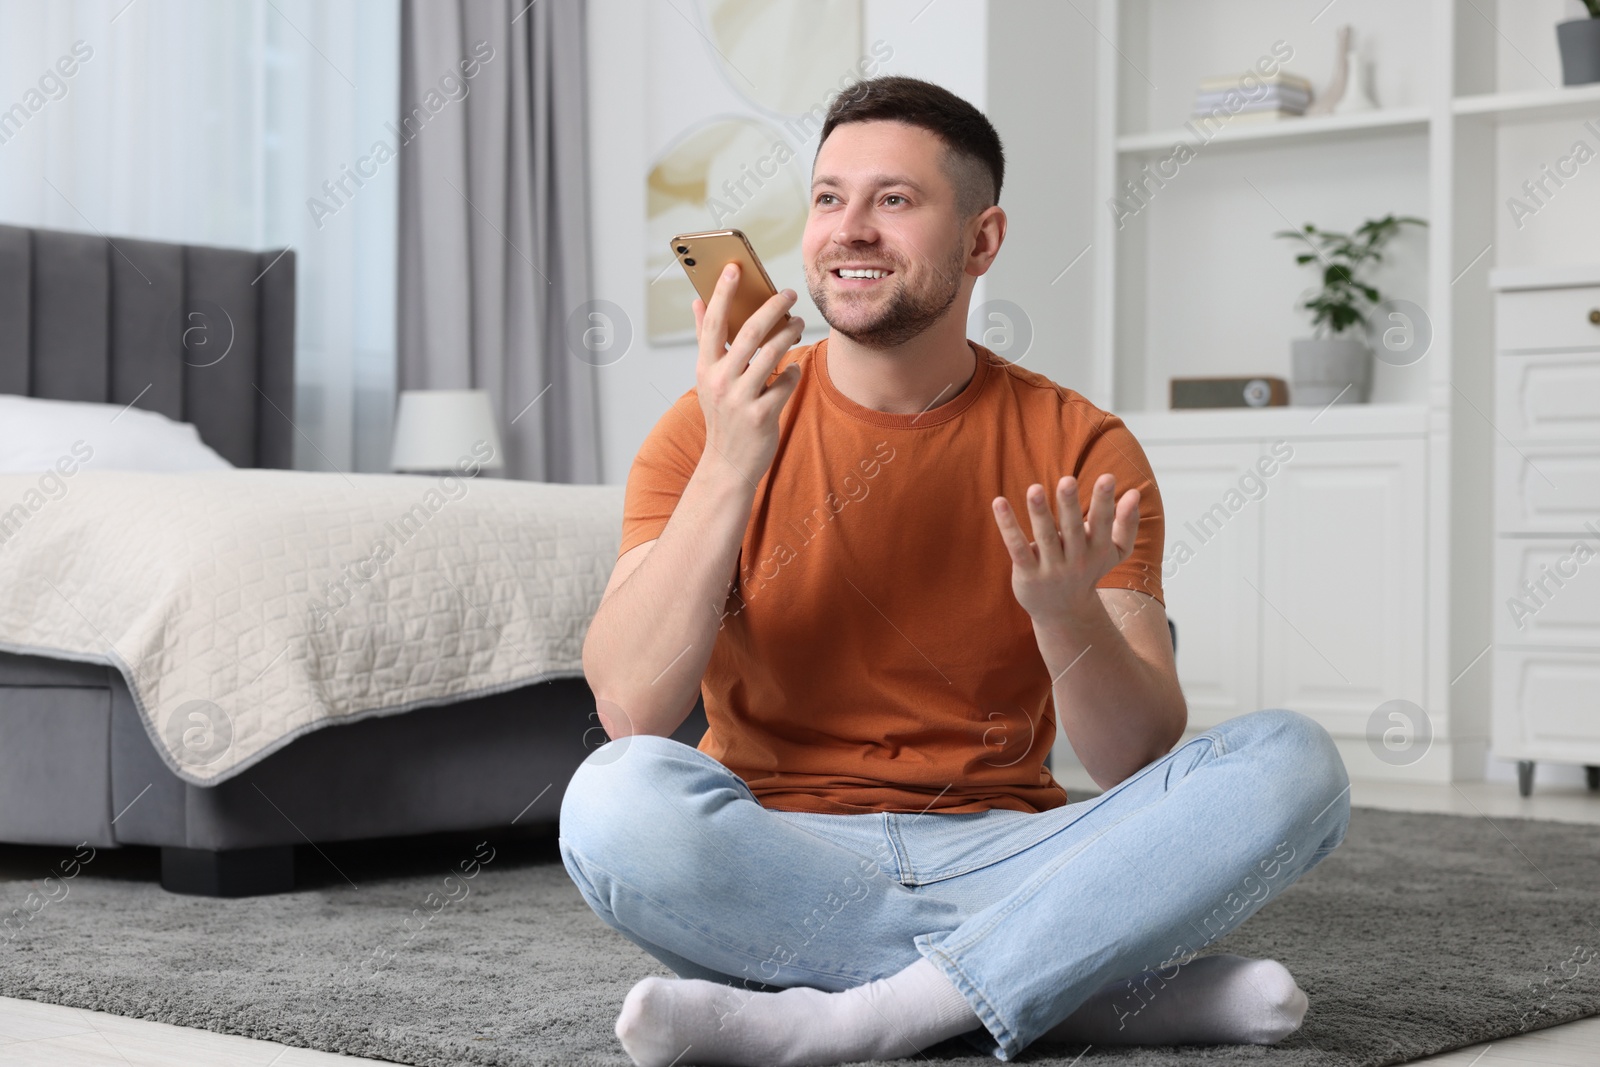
[{"x": 47, "y": 1035}]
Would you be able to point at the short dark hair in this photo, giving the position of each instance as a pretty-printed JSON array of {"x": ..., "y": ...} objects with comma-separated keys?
[{"x": 975, "y": 161}]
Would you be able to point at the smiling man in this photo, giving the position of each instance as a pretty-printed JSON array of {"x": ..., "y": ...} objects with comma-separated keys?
[{"x": 867, "y": 853}]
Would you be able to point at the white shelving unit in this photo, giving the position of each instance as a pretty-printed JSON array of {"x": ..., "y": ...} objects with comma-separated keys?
[
  {"x": 1307, "y": 128},
  {"x": 1189, "y": 281},
  {"x": 1582, "y": 101}
]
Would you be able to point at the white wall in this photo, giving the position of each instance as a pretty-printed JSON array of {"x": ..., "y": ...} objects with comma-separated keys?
[
  {"x": 943, "y": 42},
  {"x": 1041, "y": 96}
]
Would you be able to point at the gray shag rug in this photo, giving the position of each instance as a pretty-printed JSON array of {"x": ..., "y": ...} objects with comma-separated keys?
[{"x": 1422, "y": 933}]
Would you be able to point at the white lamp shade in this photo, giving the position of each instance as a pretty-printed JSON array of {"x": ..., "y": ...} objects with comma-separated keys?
[{"x": 434, "y": 429}]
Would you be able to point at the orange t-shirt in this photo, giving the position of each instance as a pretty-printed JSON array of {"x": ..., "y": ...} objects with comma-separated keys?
[{"x": 872, "y": 656}]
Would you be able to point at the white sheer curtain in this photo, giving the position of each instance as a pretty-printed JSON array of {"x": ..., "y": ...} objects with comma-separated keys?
[{"x": 219, "y": 123}]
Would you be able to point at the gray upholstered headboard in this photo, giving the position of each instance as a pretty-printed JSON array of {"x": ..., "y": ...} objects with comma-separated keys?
[{"x": 199, "y": 334}]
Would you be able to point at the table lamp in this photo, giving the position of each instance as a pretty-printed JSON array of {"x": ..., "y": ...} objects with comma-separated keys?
[{"x": 435, "y": 429}]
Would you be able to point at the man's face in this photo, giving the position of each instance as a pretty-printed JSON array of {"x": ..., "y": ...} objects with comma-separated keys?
[{"x": 880, "y": 198}]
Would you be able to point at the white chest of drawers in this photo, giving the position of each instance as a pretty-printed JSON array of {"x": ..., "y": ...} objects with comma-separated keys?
[{"x": 1546, "y": 697}]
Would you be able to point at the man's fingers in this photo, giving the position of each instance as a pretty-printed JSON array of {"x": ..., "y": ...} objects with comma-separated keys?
[
  {"x": 782, "y": 387},
  {"x": 1110, "y": 526},
  {"x": 771, "y": 317},
  {"x": 1126, "y": 527},
  {"x": 1016, "y": 541},
  {"x": 714, "y": 316},
  {"x": 1102, "y": 509},
  {"x": 1071, "y": 517},
  {"x": 1045, "y": 535},
  {"x": 754, "y": 377},
  {"x": 702, "y": 358}
]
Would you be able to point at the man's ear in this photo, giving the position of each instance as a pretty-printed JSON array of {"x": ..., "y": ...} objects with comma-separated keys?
[{"x": 987, "y": 231}]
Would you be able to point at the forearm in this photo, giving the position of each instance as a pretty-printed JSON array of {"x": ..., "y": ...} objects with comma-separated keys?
[
  {"x": 1118, "y": 711},
  {"x": 648, "y": 645}
]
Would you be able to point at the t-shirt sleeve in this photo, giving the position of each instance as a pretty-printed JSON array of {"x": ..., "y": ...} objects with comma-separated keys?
[
  {"x": 661, "y": 469},
  {"x": 1112, "y": 447}
]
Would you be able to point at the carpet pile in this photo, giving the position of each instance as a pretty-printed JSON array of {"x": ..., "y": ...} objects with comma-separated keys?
[{"x": 1422, "y": 933}]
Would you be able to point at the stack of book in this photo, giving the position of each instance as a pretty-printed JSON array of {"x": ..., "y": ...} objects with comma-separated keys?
[{"x": 1252, "y": 98}]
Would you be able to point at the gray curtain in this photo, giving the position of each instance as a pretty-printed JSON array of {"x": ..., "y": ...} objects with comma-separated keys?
[{"x": 494, "y": 250}]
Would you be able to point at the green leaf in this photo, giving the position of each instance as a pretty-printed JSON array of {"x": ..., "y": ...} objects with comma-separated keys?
[{"x": 1338, "y": 304}]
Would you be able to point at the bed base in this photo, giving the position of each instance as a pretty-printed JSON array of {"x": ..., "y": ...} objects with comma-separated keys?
[{"x": 77, "y": 767}]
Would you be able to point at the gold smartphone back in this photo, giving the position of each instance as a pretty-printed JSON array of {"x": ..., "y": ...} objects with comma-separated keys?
[{"x": 702, "y": 257}]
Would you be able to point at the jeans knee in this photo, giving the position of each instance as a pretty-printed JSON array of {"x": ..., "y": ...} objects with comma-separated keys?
[
  {"x": 638, "y": 796},
  {"x": 1303, "y": 739},
  {"x": 611, "y": 784},
  {"x": 1307, "y": 764}
]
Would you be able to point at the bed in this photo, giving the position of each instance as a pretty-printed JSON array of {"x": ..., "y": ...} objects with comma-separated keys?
[{"x": 84, "y": 755}]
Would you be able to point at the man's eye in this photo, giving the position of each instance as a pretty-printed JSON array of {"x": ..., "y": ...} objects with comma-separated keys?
[
  {"x": 821, "y": 195},
  {"x": 894, "y": 196}
]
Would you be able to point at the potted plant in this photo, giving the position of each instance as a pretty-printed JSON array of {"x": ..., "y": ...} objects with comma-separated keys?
[
  {"x": 1337, "y": 362},
  {"x": 1579, "y": 40}
]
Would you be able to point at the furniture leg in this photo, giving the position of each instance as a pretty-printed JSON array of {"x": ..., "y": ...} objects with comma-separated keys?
[
  {"x": 234, "y": 872},
  {"x": 1525, "y": 777}
]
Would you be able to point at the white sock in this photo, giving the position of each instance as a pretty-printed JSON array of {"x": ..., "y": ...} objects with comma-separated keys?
[
  {"x": 1213, "y": 1000},
  {"x": 690, "y": 1021}
]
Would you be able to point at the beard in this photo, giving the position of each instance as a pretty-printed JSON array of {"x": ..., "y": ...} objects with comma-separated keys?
[{"x": 901, "y": 314}]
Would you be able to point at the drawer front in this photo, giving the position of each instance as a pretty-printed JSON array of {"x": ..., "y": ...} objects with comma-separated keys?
[
  {"x": 1547, "y": 591},
  {"x": 1532, "y": 320},
  {"x": 1549, "y": 397},
  {"x": 1547, "y": 705},
  {"x": 1546, "y": 488}
]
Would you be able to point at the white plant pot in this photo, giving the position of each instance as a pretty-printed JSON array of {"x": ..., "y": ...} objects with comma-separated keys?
[{"x": 1326, "y": 370}]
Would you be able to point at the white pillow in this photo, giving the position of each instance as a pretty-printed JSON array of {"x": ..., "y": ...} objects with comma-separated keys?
[{"x": 36, "y": 434}]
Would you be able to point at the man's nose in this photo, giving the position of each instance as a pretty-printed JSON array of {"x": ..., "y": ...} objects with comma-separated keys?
[{"x": 855, "y": 226}]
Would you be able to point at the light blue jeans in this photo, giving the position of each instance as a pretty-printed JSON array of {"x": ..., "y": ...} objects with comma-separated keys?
[{"x": 1028, "y": 914}]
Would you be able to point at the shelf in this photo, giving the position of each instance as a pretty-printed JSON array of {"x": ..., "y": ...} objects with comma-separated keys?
[
  {"x": 1562, "y": 276},
  {"x": 1581, "y": 101},
  {"x": 1311, "y": 128},
  {"x": 1221, "y": 424}
]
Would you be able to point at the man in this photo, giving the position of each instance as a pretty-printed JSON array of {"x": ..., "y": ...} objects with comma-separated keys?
[{"x": 866, "y": 854}]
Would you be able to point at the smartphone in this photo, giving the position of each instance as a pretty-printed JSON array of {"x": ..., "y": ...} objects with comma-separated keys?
[{"x": 704, "y": 255}]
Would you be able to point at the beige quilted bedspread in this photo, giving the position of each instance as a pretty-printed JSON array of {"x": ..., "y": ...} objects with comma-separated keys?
[{"x": 248, "y": 607}]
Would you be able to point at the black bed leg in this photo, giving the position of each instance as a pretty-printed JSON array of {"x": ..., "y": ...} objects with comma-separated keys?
[{"x": 235, "y": 872}]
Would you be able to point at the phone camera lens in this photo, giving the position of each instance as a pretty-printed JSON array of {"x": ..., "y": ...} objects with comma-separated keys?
[
  {"x": 688, "y": 263},
  {"x": 682, "y": 249}
]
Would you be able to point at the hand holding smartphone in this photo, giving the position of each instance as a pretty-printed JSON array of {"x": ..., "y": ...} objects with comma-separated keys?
[{"x": 738, "y": 310}]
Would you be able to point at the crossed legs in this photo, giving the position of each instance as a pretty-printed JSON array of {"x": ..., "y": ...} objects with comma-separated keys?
[{"x": 1089, "y": 924}]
